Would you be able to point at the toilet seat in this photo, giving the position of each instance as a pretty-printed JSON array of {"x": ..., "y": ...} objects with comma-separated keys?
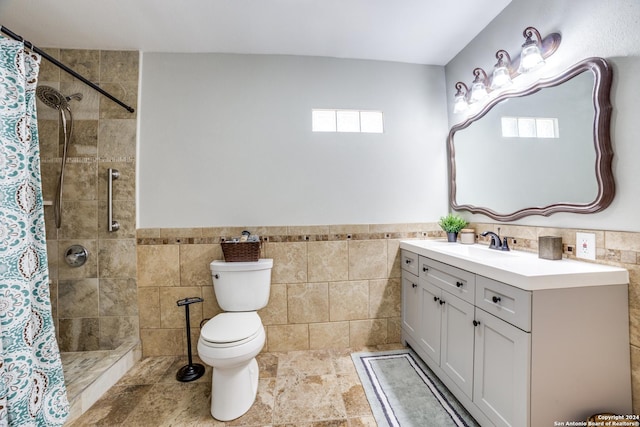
[{"x": 231, "y": 329}]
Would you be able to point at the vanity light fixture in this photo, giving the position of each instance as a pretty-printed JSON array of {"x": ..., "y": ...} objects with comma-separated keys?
[
  {"x": 502, "y": 70},
  {"x": 534, "y": 52},
  {"x": 479, "y": 86},
  {"x": 460, "y": 104},
  {"x": 531, "y": 56}
]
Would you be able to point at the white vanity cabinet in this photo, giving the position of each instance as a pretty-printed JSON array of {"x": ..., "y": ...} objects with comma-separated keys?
[
  {"x": 446, "y": 325},
  {"x": 519, "y": 341}
]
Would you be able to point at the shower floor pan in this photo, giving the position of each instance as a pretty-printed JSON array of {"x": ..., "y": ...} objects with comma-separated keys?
[{"x": 89, "y": 374}]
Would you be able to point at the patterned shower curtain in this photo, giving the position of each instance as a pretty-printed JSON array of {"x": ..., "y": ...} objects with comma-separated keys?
[{"x": 32, "y": 391}]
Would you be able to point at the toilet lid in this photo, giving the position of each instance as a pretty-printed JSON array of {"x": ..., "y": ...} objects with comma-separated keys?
[{"x": 231, "y": 327}]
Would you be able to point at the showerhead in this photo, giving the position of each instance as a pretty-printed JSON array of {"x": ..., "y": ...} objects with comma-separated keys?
[{"x": 54, "y": 99}]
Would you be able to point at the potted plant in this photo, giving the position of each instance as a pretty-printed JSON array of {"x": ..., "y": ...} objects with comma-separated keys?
[{"x": 452, "y": 224}]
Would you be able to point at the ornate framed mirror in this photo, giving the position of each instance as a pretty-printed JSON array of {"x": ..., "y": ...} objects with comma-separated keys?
[{"x": 537, "y": 151}]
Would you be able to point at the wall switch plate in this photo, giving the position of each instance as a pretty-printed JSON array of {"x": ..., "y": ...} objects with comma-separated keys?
[{"x": 586, "y": 245}]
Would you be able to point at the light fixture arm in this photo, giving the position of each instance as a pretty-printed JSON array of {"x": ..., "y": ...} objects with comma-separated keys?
[
  {"x": 478, "y": 72},
  {"x": 459, "y": 87},
  {"x": 528, "y": 33},
  {"x": 500, "y": 56}
]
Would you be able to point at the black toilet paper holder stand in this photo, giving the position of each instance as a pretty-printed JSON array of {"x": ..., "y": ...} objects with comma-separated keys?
[{"x": 192, "y": 371}]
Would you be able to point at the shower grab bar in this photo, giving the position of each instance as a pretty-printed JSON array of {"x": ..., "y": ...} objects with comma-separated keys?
[{"x": 113, "y": 225}]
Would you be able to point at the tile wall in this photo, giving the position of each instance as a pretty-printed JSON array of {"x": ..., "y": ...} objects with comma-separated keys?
[
  {"x": 94, "y": 306},
  {"x": 332, "y": 286}
]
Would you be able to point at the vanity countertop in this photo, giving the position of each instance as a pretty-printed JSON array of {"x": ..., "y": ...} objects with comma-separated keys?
[{"x": 521, "y": 269}]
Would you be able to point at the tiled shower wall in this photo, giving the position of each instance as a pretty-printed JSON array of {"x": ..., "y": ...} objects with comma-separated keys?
[
  {"x": 332, "y": 286},
  {"x": 94, "y": 306}
]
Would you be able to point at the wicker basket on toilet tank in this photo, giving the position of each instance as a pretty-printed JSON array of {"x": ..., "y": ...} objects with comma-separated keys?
[{"x": 241, "y": 251}]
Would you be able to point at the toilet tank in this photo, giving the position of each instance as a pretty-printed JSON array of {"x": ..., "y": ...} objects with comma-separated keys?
[{"x": 242, "y": 286}]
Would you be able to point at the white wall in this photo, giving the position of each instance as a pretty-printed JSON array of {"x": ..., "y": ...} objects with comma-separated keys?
[
  {"x": 226, "y": 140},
  {"x": 609, "y": 29}
]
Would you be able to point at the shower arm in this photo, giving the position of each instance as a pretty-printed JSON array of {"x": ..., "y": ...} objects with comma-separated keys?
[{"x": 59, "y": 64}]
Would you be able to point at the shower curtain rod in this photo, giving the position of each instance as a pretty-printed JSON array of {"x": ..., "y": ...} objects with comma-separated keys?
[{"x": 57, "y": 63}]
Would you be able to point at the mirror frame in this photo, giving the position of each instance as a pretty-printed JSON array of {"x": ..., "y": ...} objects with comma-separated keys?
[{"x": 601, "y": 139}]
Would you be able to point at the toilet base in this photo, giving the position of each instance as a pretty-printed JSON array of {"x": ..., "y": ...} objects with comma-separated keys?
[{"x": 233, "y": 390}]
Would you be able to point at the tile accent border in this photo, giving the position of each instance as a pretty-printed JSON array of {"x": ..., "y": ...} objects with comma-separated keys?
[
  {"x": 612, "y": 246},
  {"x": 172, "y": 236}
]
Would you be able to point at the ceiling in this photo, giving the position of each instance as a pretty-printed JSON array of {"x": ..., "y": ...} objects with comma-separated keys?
[{"x": 414, "y": 31}]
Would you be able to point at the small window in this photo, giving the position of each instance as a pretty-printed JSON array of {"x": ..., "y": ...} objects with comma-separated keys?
[
  {"x": 547, "y": 128},
  {"x": 346, "y": 121},
  {"x": 530, "y": 127},
  {"x": 371, "y": 121},
  {"x": 324, "y": 121}
]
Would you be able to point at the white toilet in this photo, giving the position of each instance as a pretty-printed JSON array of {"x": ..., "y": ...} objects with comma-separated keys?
[{"x": 231, "y": 340}]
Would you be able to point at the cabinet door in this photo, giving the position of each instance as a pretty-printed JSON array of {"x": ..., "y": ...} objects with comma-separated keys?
[
  {"x": 502, "y": 371},
  {"x": 456, "y": 354},
  {"x": 431, "y": 319},
  {"x": 410, "y": 304}
]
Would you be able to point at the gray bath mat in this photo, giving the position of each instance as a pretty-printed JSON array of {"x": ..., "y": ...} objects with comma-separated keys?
[{"x": 403, "y": 392}]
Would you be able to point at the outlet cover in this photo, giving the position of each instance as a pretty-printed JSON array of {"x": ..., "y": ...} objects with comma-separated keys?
[{"x": 586, "y": 245}]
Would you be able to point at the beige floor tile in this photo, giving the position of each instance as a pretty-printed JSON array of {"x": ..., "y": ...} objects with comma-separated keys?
[
  {"x": 342, "y": 362},
  {"x": 115, "y": 407},
  {"x": 353, "y": 396},
  {"x": 147, "y": 371},
  {"x": 308, "y": 398},
  {"x": 174, "y": 404},
  {"x": 268, "y": 364},
  {"x": 363, "y": 422},
  {"x": 304, "y": 363},
  {"x": 317, "y": 388}
]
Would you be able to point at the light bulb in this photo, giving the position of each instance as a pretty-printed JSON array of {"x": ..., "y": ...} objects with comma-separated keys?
[
  {"x": 501, "y": 71},
  {"x": 460, "y": 104},
  {"x": 531, "y": 56}
]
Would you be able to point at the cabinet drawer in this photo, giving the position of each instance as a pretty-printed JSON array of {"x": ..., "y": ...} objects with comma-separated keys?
[
  {"x": 504, "y": 301},
  {"x": 409, "y": 261},
  {"x": 456, "y": 281}
]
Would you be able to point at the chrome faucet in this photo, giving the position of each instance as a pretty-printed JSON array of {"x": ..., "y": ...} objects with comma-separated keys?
[{"x": 495, "y": 241}]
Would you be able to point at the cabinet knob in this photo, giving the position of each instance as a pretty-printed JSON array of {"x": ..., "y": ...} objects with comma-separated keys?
[
  {"x": 441, "y": 302},
  {"x": 425, "y": 269},
  {"x": 476, "y": 323},
  {"x": 413, "y": 285},
  {"x": 459, "y": 284},
  {"x": 407, "y": 261},
  {"x": 436, "y": 299},
  {"x": 495, "y": 300}
]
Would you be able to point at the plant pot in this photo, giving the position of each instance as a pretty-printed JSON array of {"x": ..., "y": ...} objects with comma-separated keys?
[{"x": 452, "y": 237}]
